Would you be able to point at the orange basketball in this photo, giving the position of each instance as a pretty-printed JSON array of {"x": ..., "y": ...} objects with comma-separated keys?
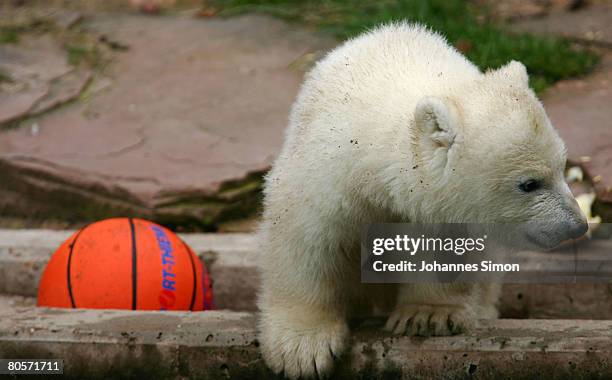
[{"x": 125, "y": 264}]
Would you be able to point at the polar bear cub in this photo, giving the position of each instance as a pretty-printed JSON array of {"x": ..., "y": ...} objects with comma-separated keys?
[{"x": 397, "y": 125}]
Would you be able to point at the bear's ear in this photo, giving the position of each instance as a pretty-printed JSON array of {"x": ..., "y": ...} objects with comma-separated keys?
[
  {"x": 513, "y": 72},
  {"x": 436, "y": 128},
  {"x": 435, "y": 122}
]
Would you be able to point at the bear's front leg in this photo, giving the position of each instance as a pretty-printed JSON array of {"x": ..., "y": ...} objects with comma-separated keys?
[
  {"x": 300, "y": 340},
  {"x": 440, "y": 309}
]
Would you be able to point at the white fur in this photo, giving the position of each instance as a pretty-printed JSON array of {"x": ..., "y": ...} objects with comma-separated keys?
[{"x": 395, "y": 125}]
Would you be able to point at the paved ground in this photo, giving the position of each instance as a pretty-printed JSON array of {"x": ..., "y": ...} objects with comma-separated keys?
[
  {"x": 588, "y": 24},
  {"x": 174, "y": 118}
]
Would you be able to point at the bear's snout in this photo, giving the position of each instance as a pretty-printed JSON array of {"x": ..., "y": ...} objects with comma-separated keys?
[
  {"x": 549, "y": 235},
  {"x": 573, "y": 223},
  {"x": 572, "y": 228},
  {"x": 576, "y": 229}
]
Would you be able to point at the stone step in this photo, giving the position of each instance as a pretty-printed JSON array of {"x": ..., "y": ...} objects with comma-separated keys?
[
  {"x": 223, "y": 345},
  {"x": 232, "y": 259}
]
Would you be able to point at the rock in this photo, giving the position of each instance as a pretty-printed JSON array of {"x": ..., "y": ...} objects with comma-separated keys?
[
  {"x": 189, "y": 117},
  {"x": 39, "y": 77},
  {"x": 62, "y": 90},
  {"x": 16, "y": 106}
]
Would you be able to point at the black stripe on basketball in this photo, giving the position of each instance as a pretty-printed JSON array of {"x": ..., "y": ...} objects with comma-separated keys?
[
  {"x": 195, "y": 278},
  {"x": 134, "y": 264},
  {"x": 69, "y": 264}
]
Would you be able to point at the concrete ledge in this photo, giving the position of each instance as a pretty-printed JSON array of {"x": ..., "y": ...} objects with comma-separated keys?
[
  {"x": 231, "y": 259},
  {"x": 222, "y": 344}
]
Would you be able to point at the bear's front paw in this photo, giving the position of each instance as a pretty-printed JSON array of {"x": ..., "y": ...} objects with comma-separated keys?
[
  {"x": 303, "y": 351},
  {"x": 430, "y": 320}
]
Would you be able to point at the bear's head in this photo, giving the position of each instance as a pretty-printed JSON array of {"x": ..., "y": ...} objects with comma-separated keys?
[{"x": 496, "y": 158}]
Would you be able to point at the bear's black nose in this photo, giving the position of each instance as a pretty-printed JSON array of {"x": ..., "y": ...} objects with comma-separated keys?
[{"x": 576, "y": 230}]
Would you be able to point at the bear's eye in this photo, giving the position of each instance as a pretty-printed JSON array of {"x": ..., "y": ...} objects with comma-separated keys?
[{"x": 530, "y": 185}]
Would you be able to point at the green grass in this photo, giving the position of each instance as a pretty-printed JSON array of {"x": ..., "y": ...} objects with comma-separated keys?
[
  {"x": 77, "y": 54},
  {"x": 5, "y": 77},
  {"x": 488, "y": 45},
  {"x": 80, "y": 52},
  {"x": 9, "y": 36}
]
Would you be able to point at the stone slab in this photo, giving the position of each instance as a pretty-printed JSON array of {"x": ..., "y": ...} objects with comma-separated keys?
[
  {"x": 178, "y": 128},
  {"x": 37, "y": 78},
  {"x": 222, "y": 344}
]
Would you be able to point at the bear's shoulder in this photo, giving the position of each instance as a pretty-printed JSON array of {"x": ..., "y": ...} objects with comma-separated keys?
[{"x": 395, "y": 51}]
